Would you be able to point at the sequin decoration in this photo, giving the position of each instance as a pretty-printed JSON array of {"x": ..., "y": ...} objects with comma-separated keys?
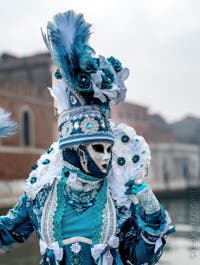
[
  {"x": 103, "y": 124},
  {"x": 81, "y": 194},
  {"x": 124, "y": 138},
  {"x": 49, "y": 150},
  {"x": 73, "y": 100},
  {"x": 76, "y": 125},
  {"x": 89, "y": 125},
  {"x": 33, "y": 180},
  {"x": 46, "y": 161},
  {"x": 80, "y": 200},
  {"x": 34, "y": 166},
  {"x": 135, "y": 158},
  {"x": 67, "y": 129},
  {"x": 121, "y": 161}
]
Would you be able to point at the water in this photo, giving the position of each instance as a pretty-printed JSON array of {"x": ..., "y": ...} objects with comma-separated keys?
[{"x": 183, "y": 247}]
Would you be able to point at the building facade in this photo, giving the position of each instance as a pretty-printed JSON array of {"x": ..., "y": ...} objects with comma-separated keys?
[
  {"x": 24, "y": 93},
  {"x": 153, "y": 127}
]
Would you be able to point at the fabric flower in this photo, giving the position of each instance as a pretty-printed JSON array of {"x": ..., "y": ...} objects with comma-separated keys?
[
  {"x": 109, "y": 74},
  {"x": 83, "y": 81},
  {"x": 89, "y": 65},
  {"x": 115, "y": 63},
  {"x": 120, "y": 78},
  {"x": 89, "y": 125},
  {"x": 76, "y": 247}
]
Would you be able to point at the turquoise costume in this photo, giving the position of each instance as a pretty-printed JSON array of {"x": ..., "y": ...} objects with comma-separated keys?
[
  {"x": 88, "y": 211},
  {"x": 44, "y": 209}
]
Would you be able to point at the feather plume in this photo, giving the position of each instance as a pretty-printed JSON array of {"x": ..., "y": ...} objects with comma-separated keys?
[
  {"x": 67, "y": 40},
  {"x": 7, "y": 126},
  {"x": 60, "y": 93}
]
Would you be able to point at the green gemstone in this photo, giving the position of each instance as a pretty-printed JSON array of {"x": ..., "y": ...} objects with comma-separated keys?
[
  {"x": 34, "y": 166},
  {"x": 124, "y": 138},
  {"x": 135, "y": 158},
  {"x": 89, "y": 125},
  {"x": 121, "y": 161},
  {"x": 46, "y": 161},
  {"x": 33, "y": 180}
]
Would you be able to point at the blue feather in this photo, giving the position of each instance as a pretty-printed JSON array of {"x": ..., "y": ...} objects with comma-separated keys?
[
  {"x": 7, "y": 126},
  {"x": 67, "y": 41}
]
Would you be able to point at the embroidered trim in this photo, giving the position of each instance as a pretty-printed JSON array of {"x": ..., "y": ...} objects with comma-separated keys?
[
  {"x": 147, "y": 241},
  {"x": 77, "y": 239},
  {"x": 58, "y": 216},
  {"x": 47, "y": 224},
  {"x": 81, "y": 194},
  {"x": 99, "y": 207},
  {"x": 109, "y": 220}
]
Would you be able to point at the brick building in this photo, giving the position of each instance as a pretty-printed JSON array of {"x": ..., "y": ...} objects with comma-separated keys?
[
  {"x": 24, "y": 93},
  {"x": 153, "y": 127}
]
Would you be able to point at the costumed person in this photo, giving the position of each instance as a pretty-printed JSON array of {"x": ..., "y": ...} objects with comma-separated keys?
[{"x": 86, "y": 197}]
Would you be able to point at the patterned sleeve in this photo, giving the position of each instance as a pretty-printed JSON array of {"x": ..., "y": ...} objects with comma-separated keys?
[
  {"x": 137, "y": 245},
  {"x": 15, "y": 226}
]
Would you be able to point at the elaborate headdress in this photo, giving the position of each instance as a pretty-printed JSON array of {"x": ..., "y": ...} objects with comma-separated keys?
[{"x": 85, "y": 84}]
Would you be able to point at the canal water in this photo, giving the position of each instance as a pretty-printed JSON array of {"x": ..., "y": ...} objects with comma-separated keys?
[{"x": 182, "y": 248}]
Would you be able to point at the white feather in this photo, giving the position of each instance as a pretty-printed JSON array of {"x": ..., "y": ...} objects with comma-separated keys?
[
  {"x": 60, "y": 93},
  {"x": 7, "y": 126}
]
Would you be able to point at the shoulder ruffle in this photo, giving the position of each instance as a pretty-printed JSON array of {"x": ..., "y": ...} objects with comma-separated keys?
[
  {"x": 47, "y": 168},
  {"x": 130, "y": 160}
]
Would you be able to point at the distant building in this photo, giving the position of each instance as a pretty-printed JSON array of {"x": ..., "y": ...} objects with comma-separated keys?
[
  {"x": 24, "y": 93},
  {"x": 187, "y": 130},
  {"x": 174, "y": 166},
  {"x": 153, "y": 127}
]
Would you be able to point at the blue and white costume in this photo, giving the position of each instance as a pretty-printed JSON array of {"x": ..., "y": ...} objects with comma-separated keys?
[{"x": 81, "y": 215}]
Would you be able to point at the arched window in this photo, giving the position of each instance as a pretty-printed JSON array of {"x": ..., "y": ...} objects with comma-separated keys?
[{"x": 26, "y": 126}]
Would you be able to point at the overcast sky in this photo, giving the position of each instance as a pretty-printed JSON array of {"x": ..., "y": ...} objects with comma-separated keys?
[{"x": 158, "y": 40}]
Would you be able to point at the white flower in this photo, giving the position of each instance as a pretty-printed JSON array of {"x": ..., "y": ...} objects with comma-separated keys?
[
  {"x": 89, "y": 125},
  {"x": 76, "y": 247}
]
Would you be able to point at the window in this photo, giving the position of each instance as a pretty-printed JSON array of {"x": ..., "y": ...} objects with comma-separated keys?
[{"x": 26, "y": 126}]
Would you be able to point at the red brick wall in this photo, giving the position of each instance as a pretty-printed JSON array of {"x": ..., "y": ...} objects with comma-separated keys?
[
  {"x": 23, "y": 84},
  {"x": 16, "y": 166},
  {"x": 13, "y": 97}
]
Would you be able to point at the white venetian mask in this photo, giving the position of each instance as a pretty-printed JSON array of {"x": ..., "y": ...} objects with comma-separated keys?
[{"x": 100, "y": 154}]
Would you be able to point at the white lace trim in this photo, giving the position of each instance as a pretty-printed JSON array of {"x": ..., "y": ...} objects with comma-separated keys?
[
  {"x": 148, "y": 201},
  {"x": 79, "y": 184},
  {"x": 44, "y": 173},
  {"x": 109, "y": 220},
  {"x": 47, "y": 225}
]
